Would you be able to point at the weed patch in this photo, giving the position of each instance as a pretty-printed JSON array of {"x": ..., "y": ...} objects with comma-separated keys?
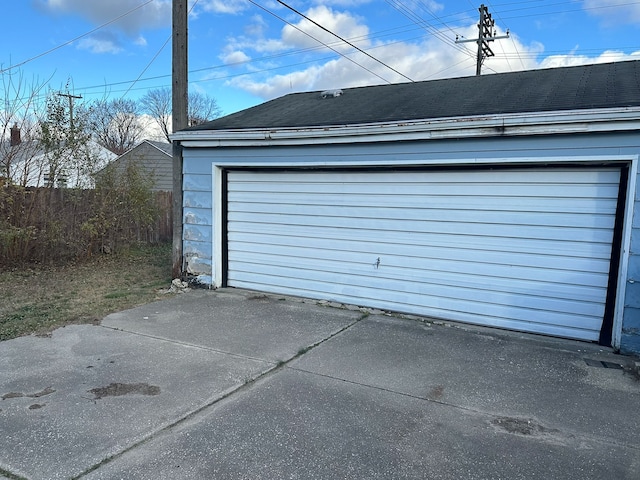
[{"x": 39, "y": 299}]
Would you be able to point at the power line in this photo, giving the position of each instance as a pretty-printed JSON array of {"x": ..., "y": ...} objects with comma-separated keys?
[
  {"x": 486, "y": 34},
  {"x": 342, "y": 39},
  {"x": 267, "y": 57},
  {"x": 581, "y": 9},
  {"x": 74, "y": 39},
  {"x": 147, "y": 67},
  {"x": 319, "y": 41},
  {"x": 155, "y": 56},
  {"x": 512, "y": 41},
  {"x": 426, "y": 26}
]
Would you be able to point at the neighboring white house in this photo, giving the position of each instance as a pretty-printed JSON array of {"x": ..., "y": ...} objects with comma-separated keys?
[
  {"x": 154, "y": 158},
  {"x": 29, "y": 164},
  {"x": 508, "y": 200}
]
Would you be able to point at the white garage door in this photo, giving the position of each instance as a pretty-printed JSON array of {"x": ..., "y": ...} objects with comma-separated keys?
[{"x": 524, "y": 249}]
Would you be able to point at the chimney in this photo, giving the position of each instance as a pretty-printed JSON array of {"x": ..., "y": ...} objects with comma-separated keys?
[{"x": 15, "y": 136}]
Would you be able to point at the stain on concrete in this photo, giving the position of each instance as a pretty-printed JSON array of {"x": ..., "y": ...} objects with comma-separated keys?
[
  {"x": 436, "y": 392},
  {"x": 632, "y": 369},
  {"x": 42, "y": 393},
  {"x": 36, "y": 406},
  {"x": 120, "y": 389},
  {"x": 259, "y": 297},
  {"x": 521, "y": 426}
]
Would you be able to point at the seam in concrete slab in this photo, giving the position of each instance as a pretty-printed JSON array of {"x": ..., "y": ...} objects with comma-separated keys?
[
  {"x": 225, "y": 395},
  {"x": 186, "y": 344},
  {"x": 494, "y": 416},
  {"x": 11, "y": 476}
]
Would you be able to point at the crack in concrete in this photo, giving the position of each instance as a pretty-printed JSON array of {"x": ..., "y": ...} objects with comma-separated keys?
[
  {"x": 496, "y": 419},
  {"x": 224, "y": 396}
]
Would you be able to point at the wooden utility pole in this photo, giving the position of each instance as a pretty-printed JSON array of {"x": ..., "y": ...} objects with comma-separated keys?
[
  {"x": 486, "y": 34},
  {"x": 71, "y": 99},
  {"x": 179, "y": 94}
]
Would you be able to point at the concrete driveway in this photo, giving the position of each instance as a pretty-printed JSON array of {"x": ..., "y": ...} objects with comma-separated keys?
[{"x": 239, "y": 385}]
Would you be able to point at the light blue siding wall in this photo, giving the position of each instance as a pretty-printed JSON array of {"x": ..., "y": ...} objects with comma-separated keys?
[
  {"x": 197, "y": 220},
  {"x": 198, "y": 211},
  {"x": 630, "y": 342}
]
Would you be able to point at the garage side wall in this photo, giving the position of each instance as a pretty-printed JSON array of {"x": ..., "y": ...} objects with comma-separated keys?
[
  {"x": 197, "y": 208},
  {"x": 630, "y": 341},
  {"x": 198, "y": 180}
]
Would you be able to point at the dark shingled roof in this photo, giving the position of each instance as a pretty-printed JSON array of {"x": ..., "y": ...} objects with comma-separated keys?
[
  {"x": 568, "y": 88},
  {"x": 164, "y": 146}
]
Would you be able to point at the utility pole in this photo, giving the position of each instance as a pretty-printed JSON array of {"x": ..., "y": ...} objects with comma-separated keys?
[
  {"x": 61, "y": 179},
  {"x": 71, "y": 99},
  {"x": 179, "y": 94},
  {"x": 486, "y": 34}
]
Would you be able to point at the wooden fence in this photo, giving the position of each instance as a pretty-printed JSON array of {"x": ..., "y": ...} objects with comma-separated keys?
[{"x": 47, "y": 225}]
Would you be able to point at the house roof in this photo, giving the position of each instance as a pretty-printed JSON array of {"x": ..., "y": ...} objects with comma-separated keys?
[
  {"x": 569, "y": 88},
  {"x": 164, "y": 146}
]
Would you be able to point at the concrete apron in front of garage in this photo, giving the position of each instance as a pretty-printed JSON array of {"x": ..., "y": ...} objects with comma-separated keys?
[{"x": 235, "y": 384}]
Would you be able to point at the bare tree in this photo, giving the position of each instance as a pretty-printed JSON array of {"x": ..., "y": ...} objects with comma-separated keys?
[
  {"x": 20, "y": 109},
  {"x": 157, "y": 103},
  {"x": 202, "y": 108},
  {"x": 116, "y": 124}
]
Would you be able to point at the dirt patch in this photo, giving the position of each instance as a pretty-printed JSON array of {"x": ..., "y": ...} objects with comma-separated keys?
[
  {"x": 40, "y": 298},
  {"x": 120, "y": 389}
]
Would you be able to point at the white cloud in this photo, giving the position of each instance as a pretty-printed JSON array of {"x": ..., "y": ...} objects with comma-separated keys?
[
  {"x": 102, "y": 42},
  {"x": 341, "y": 23},
  {"x": 140, "y": 41},
  {"x": 431, "y": 5},
  {"x": 607, "y": 56},
  {"x": 256, "y": 27},
  {"x": 156, "y": 14},
  {"x": 428, "y": 59},
  {"x": 225, "y": 6},
  {"x": 151, "y": 129},
  {"x": 431, "y": 57},
  {"x": 235, "y": 57},
  {"x": 614, "y": 12}
]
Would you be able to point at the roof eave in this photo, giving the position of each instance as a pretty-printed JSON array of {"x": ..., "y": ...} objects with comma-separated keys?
[{"x": 493, "y": 125}]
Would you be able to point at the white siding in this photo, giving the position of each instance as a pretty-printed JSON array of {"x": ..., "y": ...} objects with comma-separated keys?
[{"x": 527, "y": 249}]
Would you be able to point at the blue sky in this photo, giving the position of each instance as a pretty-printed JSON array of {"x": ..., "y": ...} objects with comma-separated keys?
[{"x": 245, "y": 52}]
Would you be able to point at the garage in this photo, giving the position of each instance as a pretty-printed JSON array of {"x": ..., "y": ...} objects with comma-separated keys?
[
  {"x": 517, "y": 209},
  {"x": 527, "y": 249}
]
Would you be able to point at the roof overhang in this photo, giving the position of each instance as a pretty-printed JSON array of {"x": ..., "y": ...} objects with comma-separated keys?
[{"x": 495, "y": 125}]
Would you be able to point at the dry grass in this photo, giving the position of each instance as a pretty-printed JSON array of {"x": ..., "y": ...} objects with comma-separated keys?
[{"x": 38, "y": 300}]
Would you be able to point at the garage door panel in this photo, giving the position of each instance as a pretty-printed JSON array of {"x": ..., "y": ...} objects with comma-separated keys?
[
  {"x": 392, "y": 226},
  {"x": 506, "y": 304},
  {"x": 566, "y": 291},
  {"x": 451, "y": 201},
  {"x": 558, "y": 175},
  {"x": 437, "y": 297},
  {"x": 431, "y": 258},
  {"x": 589, "y": 333},
  {"x": 297, "y": 235},
  {"x": 429, "y": 273},
  {"x": 598, "y": 178},
  {"x": 499, "y": 217},
  {"x": 524, "y": 249},
  {"x": 445, "y": 189}
]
